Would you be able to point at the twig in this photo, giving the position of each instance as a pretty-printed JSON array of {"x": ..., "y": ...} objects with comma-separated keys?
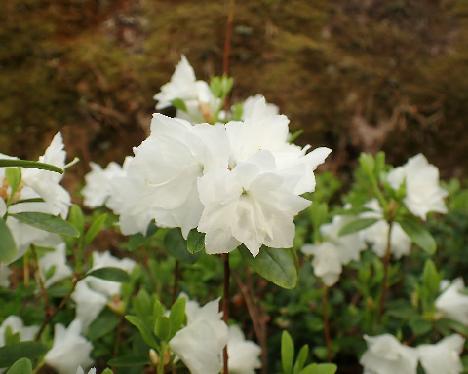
[
  {"x": 326, "y": 323},
  {"x": 227, "y": 45}
]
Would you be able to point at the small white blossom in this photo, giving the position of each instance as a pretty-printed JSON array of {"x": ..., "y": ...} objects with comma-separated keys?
[
  {"x": 243, "y": 355},
  {"x": 70, "y": 349},
  {"x": 200, "y": 344},
  {"x": 89, "y": 303},
  {"x": 16, "y": 326},
  {"x": 249, "y": 107},
  {"x": 377, "y": 234},
  {"x": 98, "y": 188},
  {"x": 423, "y": 191},
  {"x": 386, "y": 355},
  {"x": 453, "y": 303},
  {"x": 57, "y": 261},
  {"x": 327, "y": 262},
  {"x": 443, "y": 357}
]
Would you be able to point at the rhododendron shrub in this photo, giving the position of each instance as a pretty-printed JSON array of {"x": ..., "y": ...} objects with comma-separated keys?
[{"x": 218, "y": 210}]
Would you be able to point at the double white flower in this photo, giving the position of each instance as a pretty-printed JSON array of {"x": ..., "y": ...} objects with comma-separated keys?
[{"x": 238, "y": 183}]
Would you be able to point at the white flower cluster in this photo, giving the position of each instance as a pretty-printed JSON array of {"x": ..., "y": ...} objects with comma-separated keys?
[
  {"x": 200, "y": 343},
  {"x": 386, "y": 355},
  {"x": 36, "y": 184},
  {"x": 239, "y": 183},
  {"x": 453, "y": 303}
]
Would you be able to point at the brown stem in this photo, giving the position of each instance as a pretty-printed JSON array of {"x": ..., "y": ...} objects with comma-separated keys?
[
  {"x": 50, "y": 316},
  {"x": 386, "y": 265},
  {"x": 259, "y": 320},
  {"x": 227, "y": 272},
  {"x": 326, "y": 323},
  {"x": 227, "y": 45}
]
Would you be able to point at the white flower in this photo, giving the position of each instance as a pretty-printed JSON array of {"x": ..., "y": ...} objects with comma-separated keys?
[
  {"x": 242, "y": 354},
  {"x": 249, "y": 107},
  {"x": 423, "y": 191},
  {"x": 200, "y": 344},
  {"x": 443, "y": 357},
  {"x": 70, "y": 349},
  {"x": 89, "y": 303},
  {"x": 263, "y": 129},
  {"x": 327, "y": 262},
  {"x": 98, "y": 189},
  {"x": 199, "y": 101},
  {"x": 15, "y": 325},
  {"x": 376, "y": 234},
  {"x": 57, "y": 261},
  {"x": 81, "y": 371},
  {"x": 349, "y": 246},
  {"x": 46, "y": 183},
  {"x": 386, "y": 355},
  {"x": 5, "y": 273},
  {"x": 453, "y": 303},
  {"x": 105, "y": 259},
  {"x": 251, "y": 204}
]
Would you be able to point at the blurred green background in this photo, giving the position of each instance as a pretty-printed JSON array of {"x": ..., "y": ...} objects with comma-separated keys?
[{"x": 355, "y": 75}]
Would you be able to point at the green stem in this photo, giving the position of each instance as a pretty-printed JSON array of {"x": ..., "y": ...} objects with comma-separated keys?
[
  {"x": 162, "y": 355},
  {"x": 386, "y": 265}
]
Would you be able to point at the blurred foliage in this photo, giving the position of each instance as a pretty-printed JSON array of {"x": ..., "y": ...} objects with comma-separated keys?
[{"x": 354, "y": 75}]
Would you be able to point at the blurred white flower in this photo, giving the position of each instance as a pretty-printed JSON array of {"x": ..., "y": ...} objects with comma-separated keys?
[
  {"x": 200, "y": 344},
  {"x": 327, "y": 262},
  {"x": 376, "y": 234},
  {"x": 5, "y": 273},
  {"x": 89, "y": 303},
  {"x": 15, "y": 325},
  {"x": 386, "y": 355},
  {"x": 198, "y": 99},
  {"x": 98, "y": 189},
  {"x": 423, "y": 191},
  {"x": 55, "y": 262},
  {"x": 249, "y": 107},
  {"x": 251, "y": 204},
  {"x": 453, "y": 303},
  {"x": 105, "y": 259},
  {"x": 243, "y": 355},
  {"x": 443, "y": 357},
  {"x": 349, "y": 246},
  {"x": 70, "y": 349}
]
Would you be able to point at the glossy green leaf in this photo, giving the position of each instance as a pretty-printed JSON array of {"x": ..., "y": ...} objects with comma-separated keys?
[
  {"x": 177, "y": 247},
  {"x": 11, "y": 353},
  {"x": 319, "y": 369},
  {"x": 162, "y": 328},
  {"x": 145, "y": 331},
  {"x": 195, "y": 241},
  {"x": 29, "y": 165},
  {"x": 13, "y": 176},
  {"x": 110, "y": 274},
  {"x": 95, "y": 228},
  {"x": 287, "y": 352},
  {"x": 22, "y": 366},
  {"x": 177, "y": 315},
  {"x": 8, "y": 249},
  {"x": 47, "y": 222},
  {"x": 76, "y": 218},
  {"x": 274, "y": 264},
  {"x": 301, "y": 359},
  {"x": 418, "y": 234},
  {"x": 357, "y": 225}
]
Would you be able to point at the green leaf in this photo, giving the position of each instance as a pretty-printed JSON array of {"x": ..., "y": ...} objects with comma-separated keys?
[
  {"x": 177, "y": 316},
  {"x": 420, "y": 326},
  {"x": 319, "y": 369},
  {"x": 47, "y": 222},
  {"x": 301, "y": 359},
  {"x": 195, "y": 241},
  {"x": 418, "y": 234},
  {"x": 22, "y": 366},
  {"x": 357, "y": 225},
  {"x": 110, "y": 274},
  {"x": 287, "y": 352},
  {"x": 107, "y": 371},
  {"x": 129, "y": 360},
  {"x": 95, "y": 228},
  {"x": 274, "y": 264},
  {"x": 431, "y": 280},
  {"x": 29, "y": 165},
  {"x": 8, "y": 250},
  {"x": 146, "y": 331},
  {"x": 179, "y": 104},
  {"x": 11, "y": 353},
  {"x": 13, "y": 176},
  {"x": 176, "y": 246},
  {"x": 76, "y": 218},
  {"x": 101, "y": 326},
  {"x": 162, "y": 328}
]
